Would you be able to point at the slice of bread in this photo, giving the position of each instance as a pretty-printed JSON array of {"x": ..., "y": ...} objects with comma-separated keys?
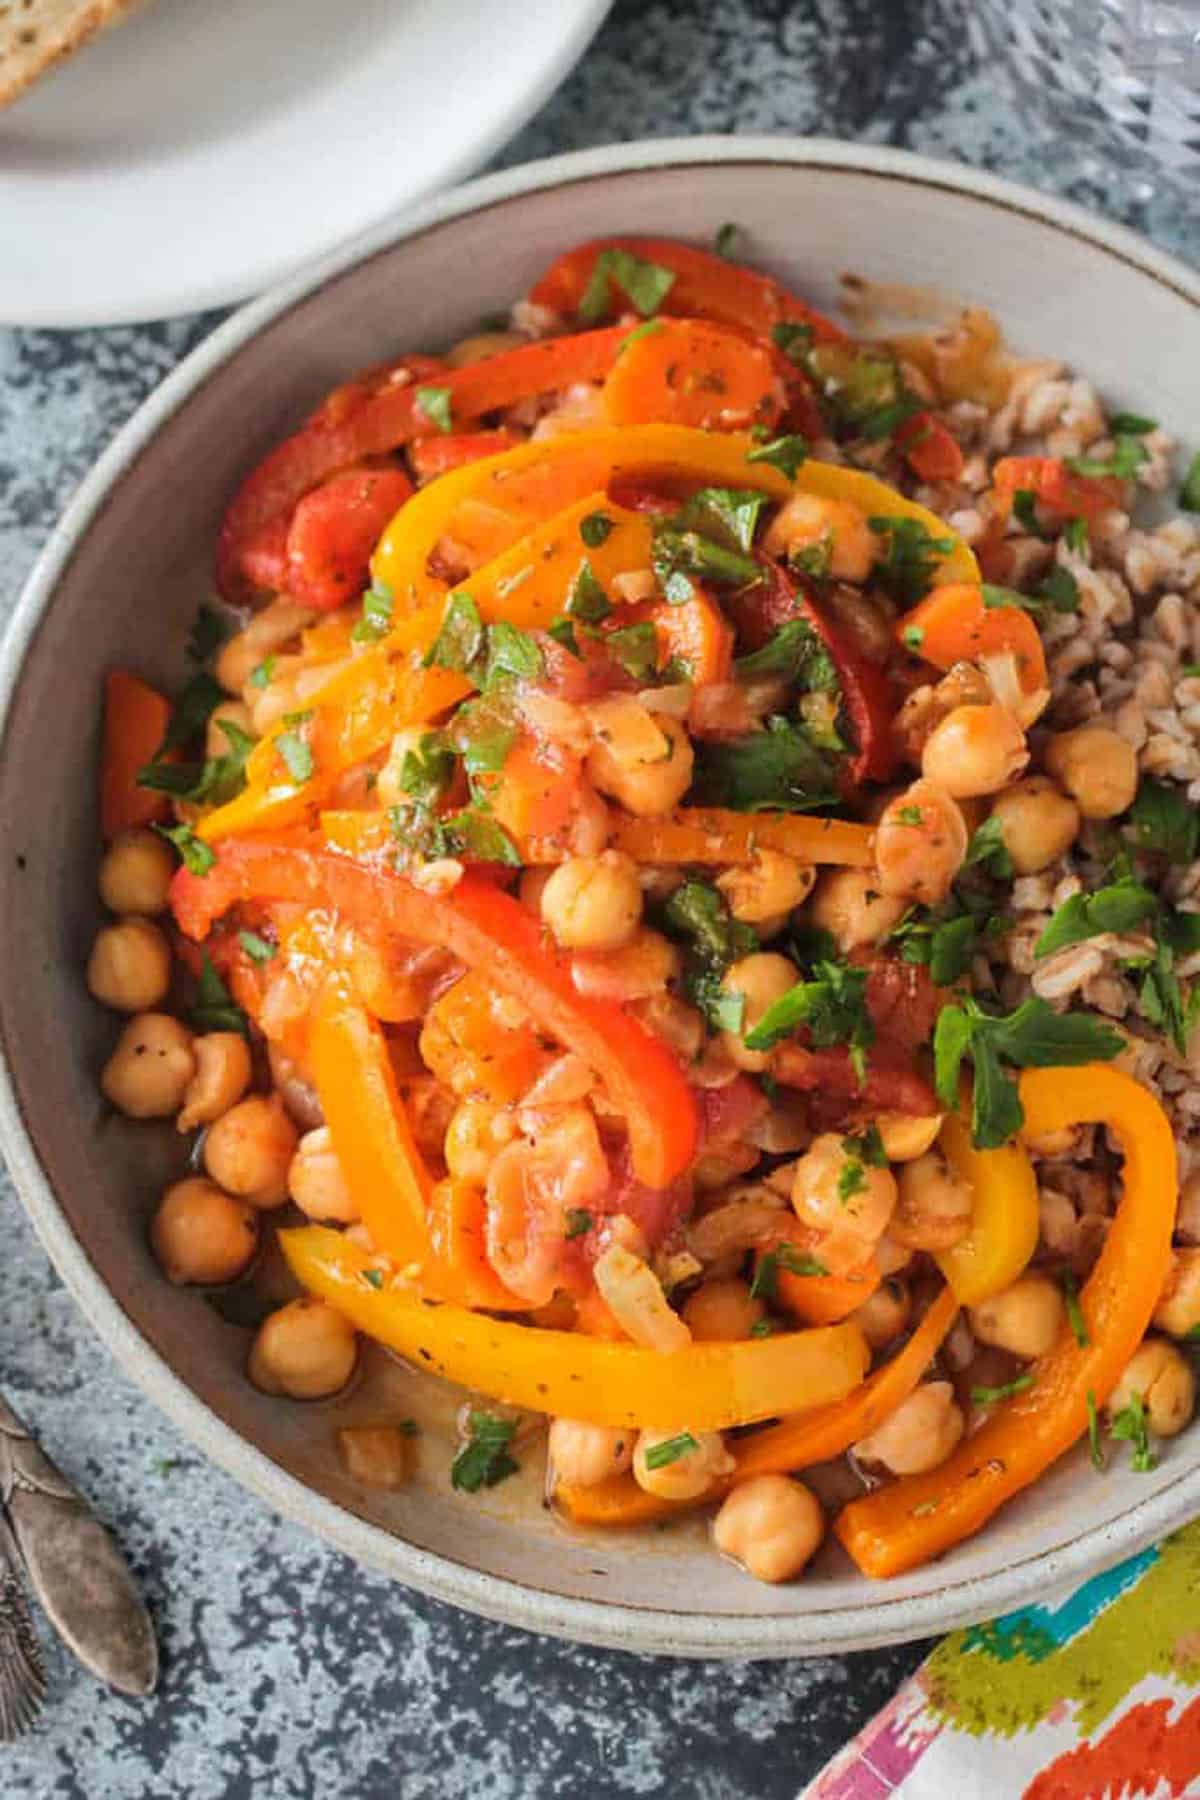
[{"x": 37, "y": 34}]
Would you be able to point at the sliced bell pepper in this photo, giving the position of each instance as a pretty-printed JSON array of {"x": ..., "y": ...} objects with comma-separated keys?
[
  {"x": 456, "y": 1267},
  {"x": 1056, "y": 487},
  {"x": 433, "y": 456},
  {"x": 490, "y": 931},
  {"x": 703, "y": 286},
  {"x": 824, "y": 1299},
  {"x": 930, "y": 448},
  {"x": 387, "y": 417},
  {"x": 697, "y": 636},
  {"x": 952, "y": 624},
  {"x": 797, "y": 1442},
  {"x": 135, "y": 722},
  {"x": 334, "y": 530},
  {"x": 687, "y": 372},
  {"x": 711, "y": 1387},
  {"x": 1004, "y": 1214},
  {"x": 911, "y": 1520}
]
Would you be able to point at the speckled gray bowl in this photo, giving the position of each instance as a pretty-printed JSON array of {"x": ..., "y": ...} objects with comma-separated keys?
[{"x": 119, "y": 583}]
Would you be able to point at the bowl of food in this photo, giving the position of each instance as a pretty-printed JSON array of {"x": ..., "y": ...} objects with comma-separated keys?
[{"x": 619, "y": 1039}]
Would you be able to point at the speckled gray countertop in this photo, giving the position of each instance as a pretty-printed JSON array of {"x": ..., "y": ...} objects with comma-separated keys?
[{"x": 288, "y": 1671}]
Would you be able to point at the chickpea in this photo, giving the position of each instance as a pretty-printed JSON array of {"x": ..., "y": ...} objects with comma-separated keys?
[
  {"x": 389, "y": 784},
  {"x": 761, "y": 979},
  {"x": 640, "y": 969},
  {"x": 316, "y": 1183},
  {"x": 305, "y": 1350},
  {"x": 644, "y": 778},
  {"x": 1097, "y": 767},
  {"x": 249, "y": 1150},
  {"x": 1163, "y": 1377},
  {"x": 921, "y": 1433},
  {"x": 582, "y": 1455},
  {"x": 236, "y": 712},
  {"x": 1037, "y": 823},
  {"x": 702, "y": 1459},
  {"x": 767, "y": 888},
  {"x": 593, "y": 902},
  {"x": 475, "y": 1136},
  {"x": 482, "y": 345},
  {"x": 136, "y": 871},
  {"x": 130, "y": 966},
  {"x": 222, "y": 1077},
  {"x": 975, "y": 750},
  {"x": 772, "y": 1525},
  {"x": 848, "y": 903},
  {"x": 1178, "y": 1309},
  {"x": 850, "y": 1202},
  {"x": 722, "y": 1311},
  {"x": 267, "y": 632},
  {"x": 885, "y": 1315},
  {"x": 1024, "y": 1318},
  {"x": 148, "y": 1073},
  {"x": 920, "y": 843},
  {"x": 905, "y": 1136},
  {"x": 201, "y": 1234},
  {"x": 933, "y": 1211},
  {"x": 807, "y": 521}
]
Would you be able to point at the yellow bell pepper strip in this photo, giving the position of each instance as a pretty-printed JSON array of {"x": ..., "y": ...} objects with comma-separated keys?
[
  {"x": 489, "y": 505},
  {"x": 1004, "y": 1214},
  {"x": 797, "y": 1442},
  {"x": 527, "y": 584},
  {"x": 689, "y": 835},
  {"x": 708, "y": 1387},
  {"x": 489, "y": 931},
  {"x": 903, "y": 1525}
]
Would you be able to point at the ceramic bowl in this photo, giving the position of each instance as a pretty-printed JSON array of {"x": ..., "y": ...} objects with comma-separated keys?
[{"x": 119, "y": 583}]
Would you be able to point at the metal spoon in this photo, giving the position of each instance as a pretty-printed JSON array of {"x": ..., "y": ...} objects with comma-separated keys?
[{"x": 49, "y": 1533}]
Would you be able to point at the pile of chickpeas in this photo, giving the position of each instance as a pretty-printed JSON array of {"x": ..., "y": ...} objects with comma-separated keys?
[{"x": 206, "y": 1229}]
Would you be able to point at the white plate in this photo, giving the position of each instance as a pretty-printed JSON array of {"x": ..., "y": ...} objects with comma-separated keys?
[{"x": 209, "y": 148}]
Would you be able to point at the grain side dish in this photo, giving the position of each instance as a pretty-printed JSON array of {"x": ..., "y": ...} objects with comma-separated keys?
[{"x": 674, "y": 885}]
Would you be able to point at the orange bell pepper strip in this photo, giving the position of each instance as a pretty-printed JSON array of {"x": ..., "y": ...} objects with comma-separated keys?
[
  {"x": 687, "y": 372},
  {"x": 135, "y": 722},
  {"x": 491, "y": 932},
  {"x": 1003, "y": 1234},
  {"x": 535, "y": 794},
  {"x": 823, "y": 1299},
  {"x": 703, "y": 286},
  {"x": 1055, "y": 487},
  {"x": 952, "y": 624},
  {"x": 797, "y": 1442},
  {"x": 713, "y": 1386},
  {"x": 433, "y": 456},
  {"x": 903, "y": 1525},
  {"x": 697, "y": 634},
  {"x": 456, "y": 1266},
  {"x": 392, "y": 415}
]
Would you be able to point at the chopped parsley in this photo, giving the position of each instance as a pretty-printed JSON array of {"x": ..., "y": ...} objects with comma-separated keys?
[
  {"x": 197, "y": 858},
  {"x": 461, "y": 638},
  {"x": 831, "y": 1005},
  {"x": 1127, "y": 456},
  {"x": 1075, "y": 535},
  {"x": 763, "y": 1328},
  {"x": 376, "y": 621},
  {"x": 1164, "y": 822},
  {"x": 795, "y": 653},
  {"x": 634, "y": 647},
  {"x": 260, "y": 675},
  {"x": 786, "y": 454},
  {"x": 729, "y": 515},
  {"x": 1075, "y": 1318},
  {"x": 910, "y": 815},
  {"x": 215, "y": 1008},
  {"x": 579, "y": 1222},
  {"x": 256, "y": 948},
  {"x": 794, "y": 338},
  {"x": 427, "y": 770},
  {"x": 294, "y": 749},
  {"x": 765, "y": 1284},
  {"x": 863, "y": 390},
  {"x": 373, "y": 1278},
  {"x": 910, "y": 558},
  {"x": 1032, "y": 1037},
  {"x": 1059, "y": 593},
  {"x": 586, "y": 598},
  {"x": 1189, "y": 493},
  {"x": 1125, "y": 424},
  {"x": 725, "y": 240},
  {"x": 852, "y": 1179},
  {"x": 434, "y": 402},
  {"x": 679, "y": 555},
  {"x": 213, "y": 782},
  {"x": 1024, "y": 506},
  {"x": 486, "y": 1457},
  {"x": 914, "y": 637},
  {"x": 697, "y": 914},
  {"x": 1120, "y": 907},
  {"x": 190, "y": 714},
  {"x": 511, "y": 652},
  {"x": 779, "y": 767},
  {"x": 644, "y": 284},
  {"x": 669, "y": 1450},
  {"x": 476, "y": 836},
  {"x": 867, "y": 1146},
  {"x": 990, "y": 1396},
  {"x": 1131, "y": 1426},
  {"x": 595, "y": 529}
]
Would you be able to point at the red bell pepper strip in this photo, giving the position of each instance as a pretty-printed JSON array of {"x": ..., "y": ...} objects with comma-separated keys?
[
  {"x": 890, "y": 1083},
  {"x": 430, "y": 457},
  {"x": 1056, "y": 487},
  {"x": 334, "y": 530},
  {"x": 487, "y": 930},
  {"x": 390, "y": 417},
  {"x": 704, "y": 287},
  {"x": 930, "y": 448}
]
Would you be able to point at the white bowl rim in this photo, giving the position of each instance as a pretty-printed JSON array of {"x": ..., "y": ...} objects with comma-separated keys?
[{"x": 876, "y": 1620}]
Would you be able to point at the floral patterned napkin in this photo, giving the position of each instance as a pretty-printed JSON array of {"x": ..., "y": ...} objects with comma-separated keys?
[{"x": 1094, "y": 1697}]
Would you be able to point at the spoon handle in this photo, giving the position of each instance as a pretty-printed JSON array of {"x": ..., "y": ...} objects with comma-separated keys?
[
  {"x": 22, "y": 1672},
  {"x": 74, "y": 1566}
]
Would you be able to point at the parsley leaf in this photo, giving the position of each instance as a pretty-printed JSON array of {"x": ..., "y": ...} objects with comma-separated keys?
[
  {"x": 511, "y": 652},
  {"x": 586, "y": 598},
  {"x": 1131, "y": 424},
  {"x": 1032, "y": 1037},
  {"x": 785, "y": 454},
  {"x": 211, "y": 783},
  {"x": 725, "y": 240},
  {"x": 427, "y": 770},
  {"x": 461, "y": 639},
  {"x": 1128, "y": 455},
  {"x": 635, "y": 648},
  {"x": 434, "y": 402},
  {"x": 1189, "y": 493},
  {"x": 579, "y": 1222},
  {"x": 678, "y": 555},
  {"x": 1024, "y": 506},
  {"x": 1059, "y": 593},
  {"x": 794, "y": 652},
  {"x": 867, "y": 1146},
  {"x": 988, "y": 850},
  {"x": 794, "y": 338},
  {"x": 215, "y": 1009},
  {"x": 595, "y": 529},
  {"x": 256, "y": 948},
  {"x": 989, "y": 1396},
  {"x": 730, "y": 515},
  {"x": 296, "y": 753},
  {"x": 1164, "y": 822},
  {"x": 1075, "y": 535},
  {"x": 697, "y": 911},
  {"x": 376, "y": 621},
  {"x": 260, "y": 675},
  {"x": 832, "y": 1005},
  {"x": 197, "y": 858},
  {"x": 669, "y": 1450},
  {"x": 778, "y": 767},
  {"x": 910, "y": 558},
  {"x": 765, "y": 1284},
  {"x": 1120, "y": 907},
  {"x": 1131, "y": 1426},
  {"x": 189, "y": 715},
  {"x": 1074, "y": 1311},
  {"x": 852, "y": 1179},
  {"x": 485, "y": 1458},
  {"x": 644, "y": 284},
  {"x": 473, "y": 834}
]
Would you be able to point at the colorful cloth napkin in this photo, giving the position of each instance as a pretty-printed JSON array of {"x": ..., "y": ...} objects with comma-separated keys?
[{"x": 1095, "y": 1697}]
